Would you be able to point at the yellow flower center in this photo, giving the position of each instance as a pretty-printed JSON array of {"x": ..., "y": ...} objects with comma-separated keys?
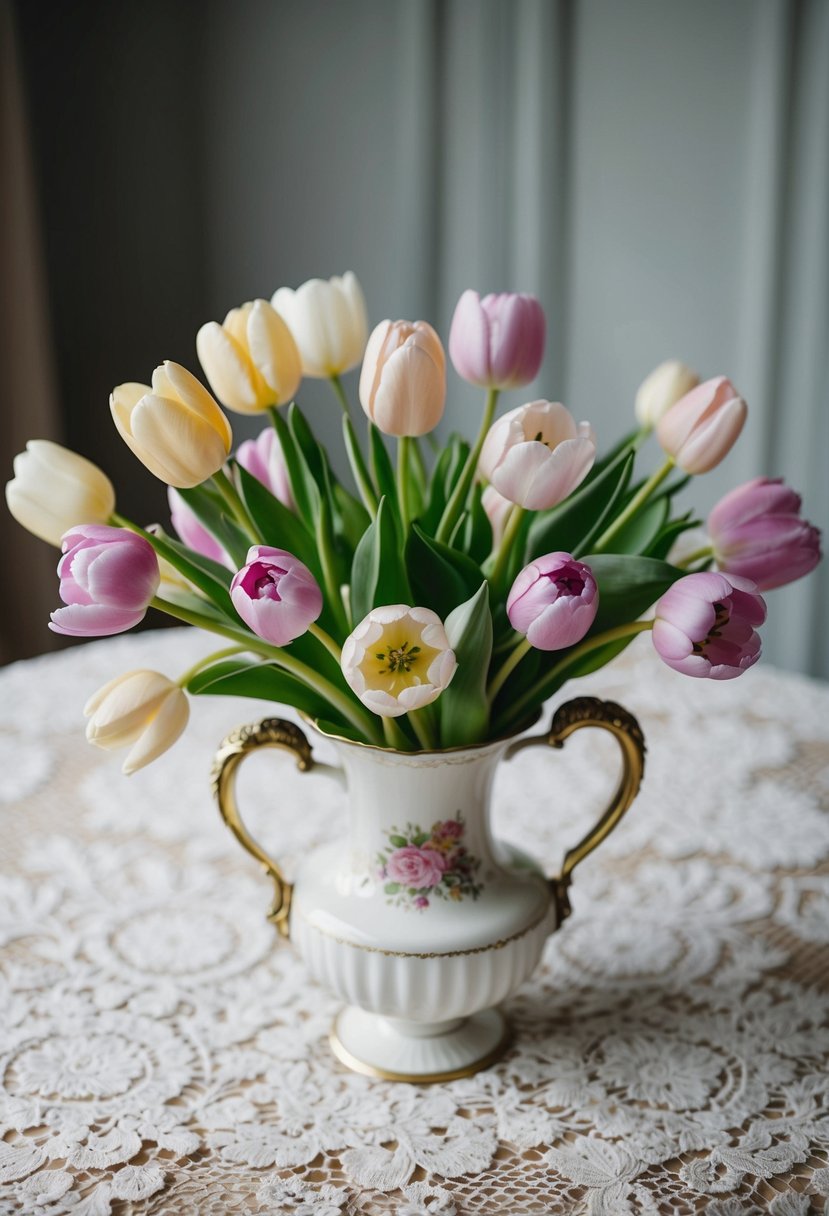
[{"x": 397, "y": 660}]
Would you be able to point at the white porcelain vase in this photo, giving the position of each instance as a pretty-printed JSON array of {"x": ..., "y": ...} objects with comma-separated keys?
[{"x": 420, "y": 920}]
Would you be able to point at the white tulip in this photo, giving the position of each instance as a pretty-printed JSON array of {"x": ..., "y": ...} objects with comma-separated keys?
[
  {"x": 54, "y": 490},
  {"x": 174, "y": 427},
  {"x": 661, "y": 389},
  {"x": 328, "y": 321},
  {"x": 251, "y": 360},
  {"x": 398, "y": 659},
  {"x": 142, "y": 710}
]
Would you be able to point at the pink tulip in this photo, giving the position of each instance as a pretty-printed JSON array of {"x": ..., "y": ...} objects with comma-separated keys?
[
  {"x": 705, "y": 625},
  {"x": 497, "y": 341},
  {"x": 553, "y": 601},
  {"x": 403, "y": 378},
  {"x": 275, "y": 595},
  {"x": 536, "y": 455},
  {"x": 191, "y": 531},
  {"x": 756, "y": 532},
  {"x": 263, "y": 459},
  {"x": 702, "y": 427},
  {"x": 107, "y": 578}
]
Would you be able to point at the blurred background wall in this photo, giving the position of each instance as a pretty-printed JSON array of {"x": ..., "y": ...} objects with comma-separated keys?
[{"x": 657, "y": 171}]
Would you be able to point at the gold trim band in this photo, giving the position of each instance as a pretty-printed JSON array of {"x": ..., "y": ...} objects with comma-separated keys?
[{"x": 431, "y": 1078}]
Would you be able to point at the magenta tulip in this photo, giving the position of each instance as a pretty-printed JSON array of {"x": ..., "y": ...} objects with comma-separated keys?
[
  {"x": 706, "y": 625},
  {"x": 553, "y": 601},
  {"x": 191, "y": 531},
  {"x": 702, "y": 427},
  {"x": 497, "y": 341},
  {"x": 756, "y": 532},
  {"x": 263, "y": 459},
  {"x": 536, "y": 454},
  {"x": 107, "y": 578},
  {"x": 276, "y": 595}
]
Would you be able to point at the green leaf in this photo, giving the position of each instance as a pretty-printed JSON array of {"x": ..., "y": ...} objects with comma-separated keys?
[
  {"x": 381, "y": 467},
  {"x": 209, "y": 510},
  {"x": 359, "y": 468},
  {"x": 628, "y": 585},
  {"x": 582, "y": 516},
  {"x": 399, "y": 842},
  {"x": 303, "y": 487},
  {"x": 640, "y": 531},
  {"x": 662, "y": 544},
  {"x": 420, "y": 838},
  {"x": 440, "y": 577},
  {"x": 417, "y": 479},
  {"x": 249, "y": 678},
  {"x": 277, "y": 525},
  {"x": 477, "y": 537},
  {"x": 210, "y": 577},
  {"x": 463, "y": 706},
  {"x": 378, "y": 575},
  {"x": 436, "y": 498},
  {"x": 350, "y": 518},
  {"x": 391, "y": 888}
]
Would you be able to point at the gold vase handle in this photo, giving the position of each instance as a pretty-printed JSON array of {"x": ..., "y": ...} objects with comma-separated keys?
[
  {"x": 272, "y": 732},
  {"x": 570, "y": 717}
]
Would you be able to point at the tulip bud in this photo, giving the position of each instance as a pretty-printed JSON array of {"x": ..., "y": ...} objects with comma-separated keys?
[
  {"x": 192, "y": 531},
  {"x": 662, "y": 389},
  {"x": 497, "y": 341},
  {"x": 175, "y": 428},
  {"x": 553, "y": 601},
  {"x": 702, "y": 427},
  {"x": 403, "y": 381},
  {"x": 328, "y": 322},
  {"x": 705, "y": 625},
  {"x": 536, "y": 455},
  {"x": 107, "y": 578},
  {"x": 276, "y": 595},
  {"x": 54, "y": 489},
  {"x": 251, "y": 360},
  {"x": 757, "y": 533},
  {"x": 398, "y": 659},
  {"x": 264, "y": 459},
  {"x": 142, "y": 710}
]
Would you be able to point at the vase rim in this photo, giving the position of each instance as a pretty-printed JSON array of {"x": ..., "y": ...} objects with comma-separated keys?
[{"x": 424, "y": 751}]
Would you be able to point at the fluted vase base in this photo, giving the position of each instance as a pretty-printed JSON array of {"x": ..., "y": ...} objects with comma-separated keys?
[{"x": 418, "y": 1052}]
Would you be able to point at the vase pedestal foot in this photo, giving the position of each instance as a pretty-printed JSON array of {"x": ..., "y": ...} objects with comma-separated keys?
[{"x": 418, "y": 1052}]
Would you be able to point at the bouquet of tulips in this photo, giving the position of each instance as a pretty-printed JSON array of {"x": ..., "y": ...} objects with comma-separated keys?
[{"x": 443, "y": 596}]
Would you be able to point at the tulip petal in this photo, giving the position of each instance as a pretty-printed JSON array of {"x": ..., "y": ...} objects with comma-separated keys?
[
  {"x": 175, "y": 443},
  {"x": 161, "y": 733},
  {"x": 94, "y": 620},
  {"x": 713, "y": 438},
  {"x": 228, "y": 368},
  {"x": 274, "y": 352},
  {"x": 469, "y": 340}
]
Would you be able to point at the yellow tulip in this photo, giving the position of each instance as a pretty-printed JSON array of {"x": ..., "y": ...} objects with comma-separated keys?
[
  {"x": 54, "y": 490},
  {"x": 251, "y": 360},
  {"x": 174, "y": 427}
]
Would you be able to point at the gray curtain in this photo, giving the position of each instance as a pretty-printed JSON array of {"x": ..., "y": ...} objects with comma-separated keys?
[{"x": 656, "y": 171}]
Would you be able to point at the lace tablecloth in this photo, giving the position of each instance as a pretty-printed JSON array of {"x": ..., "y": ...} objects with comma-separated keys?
[{"x": 162, "y": 1052}]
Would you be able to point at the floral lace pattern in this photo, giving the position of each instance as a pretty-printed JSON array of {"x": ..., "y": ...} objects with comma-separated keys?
[{"x": 162, "y": 1053}]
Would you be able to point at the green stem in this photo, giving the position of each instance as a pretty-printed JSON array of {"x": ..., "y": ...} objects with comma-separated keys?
[
  {"x": 394, "y": 736},
  {"x": 327, "y": 641},
  {"x": 504, "y": 550},
  {"x": 459, "y": 494},
  {"x": 423, "y": 725},
  {"x": 358, "y": 468},
  {"x": 698, "y": 555},
  {"x": 510, "y": 663},
  {"x": 636, "y": 503},
  {"x": 403, "y": 482},
  {"x": 592, "y": 643},
  {"x": 339, "y": 393},
  {"x": 235, "y": 505},
  {"x": 329, "y": 574},
  {"x": 206, "y": 661},
  {"x": 357, "y": 716}
]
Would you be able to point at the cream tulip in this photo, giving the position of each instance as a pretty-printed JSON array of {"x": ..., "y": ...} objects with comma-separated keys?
[
  {"x": 174, "y": 427},
  {"x": 398, "y": 659},
  {"x": 251, "y": 360},
  {"x": 54, "y": 490},
  {"x": 143, "y": 710},
  {"x": 328, "y": 321},
  {"x": 403, "y": 381},
  {"x": 662, "y": 389}
]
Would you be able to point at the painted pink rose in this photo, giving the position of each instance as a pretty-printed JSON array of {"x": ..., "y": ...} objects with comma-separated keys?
[
  {"x": 450, "y": 829},
  {"x": 414, "y": 867}
]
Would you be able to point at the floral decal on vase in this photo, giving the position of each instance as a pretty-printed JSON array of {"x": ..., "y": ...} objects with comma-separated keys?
[{"x": 418, "y": 865}]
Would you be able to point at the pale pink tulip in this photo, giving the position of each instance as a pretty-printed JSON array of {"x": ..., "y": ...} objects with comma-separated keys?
[
  {"x": 536, "y": 454},
  {"x": 398, "y": 659},
  {"x": 191, "y": 530},
  {"x": 706, "y": 625},
  {"x": 276, "y": 595},
  {"x": 553, "y": 601},
  {"x": 702, "y": 427},
  {"x": 403, "y": 379},
  {"x": 107, "y": 578},
  {"x": 263, "y": 459},
  {"x": 756, "y": 532},
  {"x": 497, "y": 341}
]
